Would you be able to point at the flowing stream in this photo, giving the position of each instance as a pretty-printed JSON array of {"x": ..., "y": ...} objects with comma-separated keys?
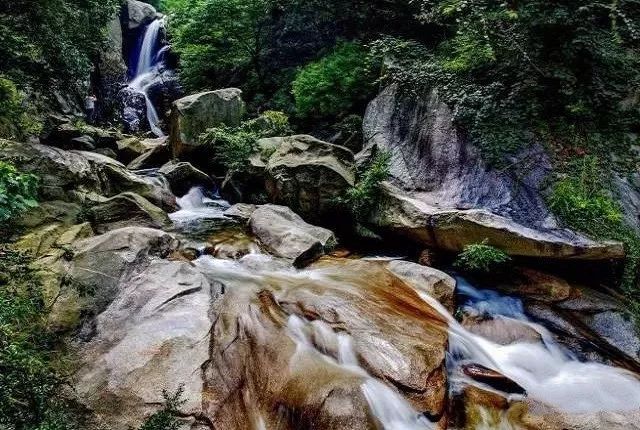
[
  {"x": 148, "y": 71},
  {"x": 549, "y": 373}
]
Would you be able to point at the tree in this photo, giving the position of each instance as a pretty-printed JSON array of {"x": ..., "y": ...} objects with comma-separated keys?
[
  {"x": 51, "y": 43},
  {"x": 220, "y": 42}
]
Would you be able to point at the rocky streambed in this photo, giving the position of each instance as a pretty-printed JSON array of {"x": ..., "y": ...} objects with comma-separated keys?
[{"x": 254, "y": 317}]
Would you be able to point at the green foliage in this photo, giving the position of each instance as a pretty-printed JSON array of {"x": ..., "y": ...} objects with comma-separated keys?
[
  {"x": 15, "y": 121},
  {"x": 50, "y": 43},
  {"x": 582, "y": 202},
  {"x": 31, "y": 374},
  {"x": 17, "y": 191},
  {"x": 220, "y": 42},
  {"x": 332, "y": 85},
  {"x": 481, "y": 257},
  {"x": 364, "y": 197},
  {"x": 234, "y": 145},
  {"x": 513, "y": 71},
  {"x": 168, "y": 417}
]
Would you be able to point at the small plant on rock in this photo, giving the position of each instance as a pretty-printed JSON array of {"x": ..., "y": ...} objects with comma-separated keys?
[
  {"x": 234, "y": 145},
  {"x": 168, "y": 417},
  {"x": 363, "y": 198},
  {"x": 481, "y": 257}
]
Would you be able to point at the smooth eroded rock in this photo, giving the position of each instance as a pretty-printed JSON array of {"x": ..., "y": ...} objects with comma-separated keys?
[
  {"x": 453, "y": 229},
  {"x": 287, "y": 235},
  {"x": 437, "y": 284},
  {"x": 182, "y": 176},
  {"x": 125, "y": 210},
  {"x": 308, "y": 174}
]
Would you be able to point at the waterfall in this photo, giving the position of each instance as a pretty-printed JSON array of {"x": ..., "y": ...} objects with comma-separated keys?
[
  {"x": 148, "y": 73},
  {"x": 147, "y": 55}
]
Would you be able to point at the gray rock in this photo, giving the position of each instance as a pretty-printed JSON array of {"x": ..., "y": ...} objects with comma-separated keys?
[
  {"x": 153, "y": 335},
  {"x": 117, "y": 253},
  {"x": 452, "y": 230},
  {"x": 155, "y": 157},
  {"x": 308, "y": 175},
  {"x": 240, "y": 211},
  {"x": 139, "y": 14},
  {"x": 441, "y": 192},
  {"x": 107, "y": 152},
  {"x": 433, "y": 161},
  {"x": 425, "y": 279},
  {"x": 287, "y": 235},
  {"x": 194, "y": 114},
  {"x": 78, "y": 176},
  {"x": 182, "y": 176},
  {"x": 127, "y": 209},
  {"x": 82, "y": 143}
]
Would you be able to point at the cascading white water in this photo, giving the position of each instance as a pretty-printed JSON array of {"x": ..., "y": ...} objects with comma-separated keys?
[
  {"x": 544, "y": 369},
  {"x": 196, "y": 207},
  {"x": 549, "y": 374},
  {"x": 147, "y": 72},
  {"x": 391, "y": 410},
  {"x": 147, "y": 55}
]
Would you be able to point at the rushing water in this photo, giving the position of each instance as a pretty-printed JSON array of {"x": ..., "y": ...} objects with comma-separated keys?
[
  {"x": 548, "y": 372},
  {"x": 197, "y": 210},
  {"x": 148, "y": 71},
  {"x": 391, "y": 410}
]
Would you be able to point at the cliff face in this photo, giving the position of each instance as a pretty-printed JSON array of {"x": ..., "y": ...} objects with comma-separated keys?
[{"x": 434, "y": 162}]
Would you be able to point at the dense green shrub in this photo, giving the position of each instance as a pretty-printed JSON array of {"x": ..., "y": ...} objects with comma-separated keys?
[
  {"x": 51, "y": 43},
  {"x": 517, "y": 71},
  {"x": 220, "y": 42},
  {"x": 364, "y": 197},
  {"x": 481, "y": 257},
  {"x": 333, "y": 85},
  {"x": 16, "y": 120},
  {"x": 17, "y": 191},
  {"x": 234, "y": 145},
  {"x": 31, "y": 372},
  {"x": 582, "y": 202}
]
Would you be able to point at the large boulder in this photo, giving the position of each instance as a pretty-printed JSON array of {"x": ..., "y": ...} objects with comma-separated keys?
[
  {"x": 127, "y": 209},
  {"x": 451, "y": 230},
  {"x": 153, "y": 335},
  {"x": 182, "y": 176},
  {"x": 286, "y": 235},
  {"x": 78, "y": 176},
  {"x": 158, "y": 155},
  {"x": 443, "y": 194},
  {"x": 328, "y": 348},
  {"x": 133, "y": 110},
  {"x": 138, "y": 14},
  {"x": 131, "y": 148},
  {"x": 192, "y": 115},
  {"x": 308, "y": 174},
  {"x": 434, "y": 162},
  {"x": 425, "y": 279}
]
